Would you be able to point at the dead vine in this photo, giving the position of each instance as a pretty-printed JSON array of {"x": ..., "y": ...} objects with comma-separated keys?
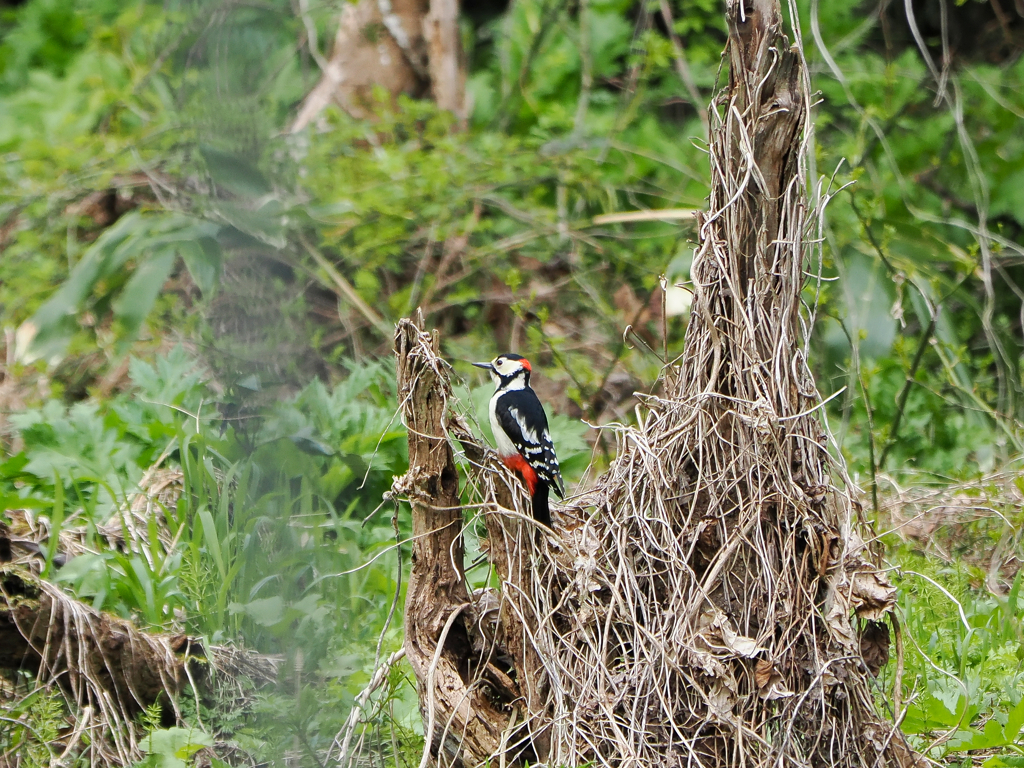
[{"x": 703, "y": 603}]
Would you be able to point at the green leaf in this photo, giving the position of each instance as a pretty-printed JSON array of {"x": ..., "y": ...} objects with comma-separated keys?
[
  {"x": 251, "y": 382},
  {"x": 234, "y": 173},
  {"x": 204, "y": 262},
  {"x": 212, "y": 541},
  {"x": 171, "y": 747},
  {"x": 932, "y": 712},
  {"x": 1015, "y": 719},
  {"x": 266, "y": 611},
  {"x": 153, "y": 240},
  {"x": 970, "y": 738},
  {"x": 307, "y": 443},
  {"x": 1004, "y": 761},
  {"x": 47, "y": 332},
  {"x": 140, "y": 292}
]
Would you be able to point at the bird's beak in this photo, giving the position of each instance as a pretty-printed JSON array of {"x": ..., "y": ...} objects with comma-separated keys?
[{"x": 488, "y": 366}]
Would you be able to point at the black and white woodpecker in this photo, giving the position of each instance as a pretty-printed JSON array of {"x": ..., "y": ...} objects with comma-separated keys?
[{"x": 521, "y": 431}]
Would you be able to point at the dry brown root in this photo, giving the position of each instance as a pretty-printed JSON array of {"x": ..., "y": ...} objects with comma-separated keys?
[{"x": 107, "y": 669}]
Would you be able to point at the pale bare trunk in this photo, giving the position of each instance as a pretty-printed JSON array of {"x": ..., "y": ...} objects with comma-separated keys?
[{"x": 408, "y": 47}]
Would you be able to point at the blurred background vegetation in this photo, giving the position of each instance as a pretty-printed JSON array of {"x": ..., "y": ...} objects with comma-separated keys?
[{"x": 185, "y": 282}]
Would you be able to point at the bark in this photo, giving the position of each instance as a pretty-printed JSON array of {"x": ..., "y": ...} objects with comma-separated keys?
[
  {"x": 409, "y": 47},
  {"x": 445, "y": 642},
  {"x": 60, "y": 639},
  {"x": 772, "y": 91},
  {"x": 509, "y": 547}
]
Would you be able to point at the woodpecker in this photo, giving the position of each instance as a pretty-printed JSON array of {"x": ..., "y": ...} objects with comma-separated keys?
[{"x": 521, "y": 431}]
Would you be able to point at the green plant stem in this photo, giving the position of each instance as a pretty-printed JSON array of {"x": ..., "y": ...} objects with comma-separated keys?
[
  {"x": 547, "y": 18},
  {"x": 346, "y": 289},
  {"x": 901, "y": 402},
  {"x": 683, "y": 68},
  {"x": 867, "y": 409},
  {"x": 871, "y": 442},
  {"x": 586, "y": 68}
]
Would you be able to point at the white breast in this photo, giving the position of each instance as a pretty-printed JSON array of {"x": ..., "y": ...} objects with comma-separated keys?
[{"x": 504, "y": 446}]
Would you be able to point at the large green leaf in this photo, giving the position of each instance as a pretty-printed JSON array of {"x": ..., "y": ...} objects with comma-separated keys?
[
  {"x": 136, "y": 300},
  {"x": 153, "y": 243},
  {"x": 234, "y": 173},
  {"x": 172, "y": 747}
]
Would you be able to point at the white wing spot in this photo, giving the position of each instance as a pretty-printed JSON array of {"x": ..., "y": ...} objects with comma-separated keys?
[{"x": 529, "y": 434}]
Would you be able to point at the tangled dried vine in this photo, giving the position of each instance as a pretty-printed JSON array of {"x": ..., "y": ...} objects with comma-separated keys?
[{"x": 709, "y": 601}]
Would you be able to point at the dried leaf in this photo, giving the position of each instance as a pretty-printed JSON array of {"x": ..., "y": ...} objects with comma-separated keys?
[
  {"x": 721, "y": 629},
  {"x": 838, "y": 618},
  {"x": 872, "y": 595},
  {"x": 769, "y": 682},
  {"x": 874, "y": 646},
  {"x": 720, "y": 703},
  {"x": 740, "y": 644}
]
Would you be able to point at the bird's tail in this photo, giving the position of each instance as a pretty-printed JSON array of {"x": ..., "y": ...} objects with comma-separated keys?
[{"x": 541, "y": 511}]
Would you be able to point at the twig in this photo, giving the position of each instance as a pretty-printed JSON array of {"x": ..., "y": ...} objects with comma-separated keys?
[
  {"x": 379, "y": 676},
  {"x": 683, "y": 68},
  {"x": 345, "y": 289},
  {"x": 901, "y": 401},
  {"x": 897, "y": 683},
  {"x": 871, "y": 442},
  {"x": 663, "y": 214}
]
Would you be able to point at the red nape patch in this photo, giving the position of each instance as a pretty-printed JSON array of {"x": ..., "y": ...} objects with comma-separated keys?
[
  {"x": 526, "y": 365},
  {"x": 518, "y": 463}
]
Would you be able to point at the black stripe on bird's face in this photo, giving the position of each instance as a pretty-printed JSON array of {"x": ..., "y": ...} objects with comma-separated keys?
[{"x": 506, "y": 368}]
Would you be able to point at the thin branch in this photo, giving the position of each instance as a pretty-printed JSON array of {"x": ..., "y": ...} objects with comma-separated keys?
[
  {"x": 901, "y": 402},
  {"x": 346, "y": 289},
  {"x": 683, "y": 68}
]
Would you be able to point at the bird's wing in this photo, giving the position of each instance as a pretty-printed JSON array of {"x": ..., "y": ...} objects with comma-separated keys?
[{"x": 533, "y": 442}]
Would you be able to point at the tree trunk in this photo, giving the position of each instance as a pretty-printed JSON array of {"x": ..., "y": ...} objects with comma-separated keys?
[
  {"x": 444, "y": 637},
  {"x": 108, "y": 670},
  {"x": 702, "y": 604},
  {"x": 408, "y": 47}
]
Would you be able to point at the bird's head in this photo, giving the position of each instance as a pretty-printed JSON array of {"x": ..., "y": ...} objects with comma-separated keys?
[{"x": 507, "y": 369}]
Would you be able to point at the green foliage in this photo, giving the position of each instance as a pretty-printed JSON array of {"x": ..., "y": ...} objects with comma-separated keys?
[
  {"x": 153, "y": 243},
  {"x": 31, "y": 725},
  {"x": 964, "y": 662},
  {"x": 172, "y": 747},
  {"x": 268, "y": 536},
  {"x": 912, "y": 243},
  {"x": 150, "y": 192}
]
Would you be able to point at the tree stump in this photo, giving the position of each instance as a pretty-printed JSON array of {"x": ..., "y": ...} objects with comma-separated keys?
[{"x": 703, "y": 603}]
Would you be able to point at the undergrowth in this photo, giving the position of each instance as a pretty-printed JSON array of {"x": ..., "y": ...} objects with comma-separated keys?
[{"x": 149, "y": 198}]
